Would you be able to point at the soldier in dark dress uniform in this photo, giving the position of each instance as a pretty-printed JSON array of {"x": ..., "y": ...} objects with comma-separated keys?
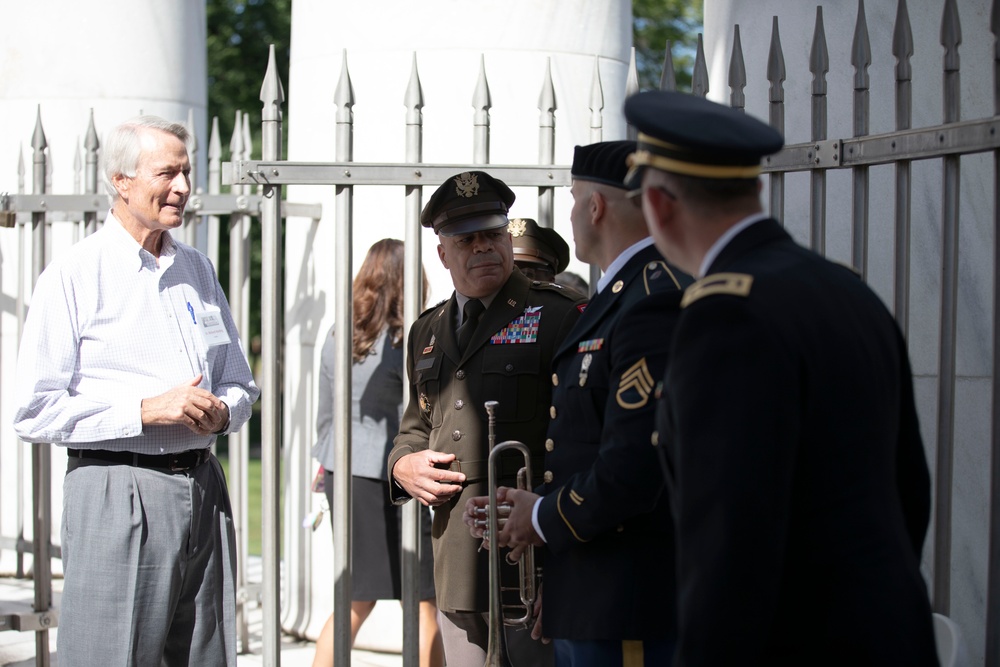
[
  {"x": 509, "y": 327},
  {"x": 609, "y": 593},
  {"x": 797, "y": 475}
]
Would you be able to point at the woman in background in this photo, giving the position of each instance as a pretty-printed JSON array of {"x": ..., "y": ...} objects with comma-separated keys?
[{"x": 378, "y": 379}]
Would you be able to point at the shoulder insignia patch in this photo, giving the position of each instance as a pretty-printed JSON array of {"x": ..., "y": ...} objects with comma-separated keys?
[
  {"x": 634, "y": 386},
  {"x": 735, "y": 284},
  {"x": 658, "y": 270},
  {"x": 432, "y": 308}
]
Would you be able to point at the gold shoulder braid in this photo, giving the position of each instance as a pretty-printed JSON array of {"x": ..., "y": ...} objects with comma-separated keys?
[{"x": 735, "y": 284}]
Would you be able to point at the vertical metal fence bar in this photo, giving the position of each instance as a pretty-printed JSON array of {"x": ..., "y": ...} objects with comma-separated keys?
[
  {"x": 699, "y": 77},
  {"x": 776, "y": 115},
  {"x": 597, "y": 131},
  {"x": 596, "y": 104},
  {"x": 993, "y": 558},
  {"x": 41, "y": 453},
  {"x": 90, "y": 175},
  {"x": 272, "y": 96},
  {"x": 344, "y": 99},
  {"x": 237, "y": 441},
  {"x": 547, "y": 144},
  {"x": 481, "y": 105},
  {"x": 668, "y": 78},
  {"x": 190, "y": 230},
  {"x": 631, "y": 88},
  {"x": 413, "y": 304},
  {"x": 819, "y": 65},
  {"x": 861, "y": 58},
  {"x": 902, "y": 48},
  {"x": 951, "y": 37},
  {"x": 737, "y": 73},
  {"x": 21, "y": 298}
]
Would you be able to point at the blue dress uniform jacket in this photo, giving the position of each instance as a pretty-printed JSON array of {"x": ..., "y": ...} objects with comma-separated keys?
[
  {"x": 608, "y": 571},
  {"x": 796, "y": 469},
  {"x": 508, "y": 360}
]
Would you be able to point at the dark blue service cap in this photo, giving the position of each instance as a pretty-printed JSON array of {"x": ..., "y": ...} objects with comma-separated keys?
[
  {"x": 472, "y": 201},
  {"x": 603, "y": 162},
  {"x": 690, "y": 135}
]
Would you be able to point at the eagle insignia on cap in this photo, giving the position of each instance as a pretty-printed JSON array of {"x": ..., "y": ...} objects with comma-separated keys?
[
  {"x": 466, "y": 184},
  {"x": 517, "y": 227}
]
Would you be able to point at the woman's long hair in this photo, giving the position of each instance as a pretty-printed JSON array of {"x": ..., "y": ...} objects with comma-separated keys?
[{"x": 378, "y": 297}]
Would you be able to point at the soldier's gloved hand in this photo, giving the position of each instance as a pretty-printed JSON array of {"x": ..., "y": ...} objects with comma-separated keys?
[{"x": 419, "y": 477}]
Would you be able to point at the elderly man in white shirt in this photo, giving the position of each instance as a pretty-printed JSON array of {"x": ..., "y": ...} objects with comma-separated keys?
[{"x": 131, "y": 360}]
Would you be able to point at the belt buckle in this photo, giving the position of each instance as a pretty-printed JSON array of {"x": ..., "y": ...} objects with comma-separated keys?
[{"x": 175, "y": 461}]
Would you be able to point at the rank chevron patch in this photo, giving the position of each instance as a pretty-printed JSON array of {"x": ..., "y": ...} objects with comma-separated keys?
[{"x": 634, "y": 386}]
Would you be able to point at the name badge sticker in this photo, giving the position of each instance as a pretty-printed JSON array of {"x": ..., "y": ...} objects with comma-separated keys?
[{"x": 212, "y": 328}]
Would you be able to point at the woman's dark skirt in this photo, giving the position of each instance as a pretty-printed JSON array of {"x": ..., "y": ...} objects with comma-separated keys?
[{"x": 376, "y": 547}]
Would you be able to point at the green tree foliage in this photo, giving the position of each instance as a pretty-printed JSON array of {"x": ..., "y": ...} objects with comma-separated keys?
[
  {"x": 240, "y": 33},
  {"x": 655, "y": 22}
]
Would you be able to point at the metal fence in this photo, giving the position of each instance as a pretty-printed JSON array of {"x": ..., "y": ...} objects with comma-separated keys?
[{"x": 819, "y": 156}]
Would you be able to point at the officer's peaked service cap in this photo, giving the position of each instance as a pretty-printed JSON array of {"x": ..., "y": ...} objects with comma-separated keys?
[
  {"x": 690, "y": 135},
  {"x": 535, "y": 244},
  {"x": 472, "y": 201}
]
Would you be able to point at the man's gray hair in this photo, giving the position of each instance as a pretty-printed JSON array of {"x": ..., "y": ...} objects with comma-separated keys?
[{"x": 123, "y": 146}]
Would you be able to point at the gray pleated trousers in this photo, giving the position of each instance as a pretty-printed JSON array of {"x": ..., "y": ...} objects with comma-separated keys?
[{"x": 149, "y": 559}]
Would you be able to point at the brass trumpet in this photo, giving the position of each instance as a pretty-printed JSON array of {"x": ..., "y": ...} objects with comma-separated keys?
[{"x": 495, "y": 516}]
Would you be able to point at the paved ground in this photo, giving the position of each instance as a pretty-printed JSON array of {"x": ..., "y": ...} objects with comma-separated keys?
[{"x": 17, "y": 649}]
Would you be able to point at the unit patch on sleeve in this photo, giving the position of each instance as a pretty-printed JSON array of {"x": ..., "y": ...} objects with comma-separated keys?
[{"x": 522, "y": 329}]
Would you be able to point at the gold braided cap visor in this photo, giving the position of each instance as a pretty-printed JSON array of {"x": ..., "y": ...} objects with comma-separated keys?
[{"x": 651, "y": 150}]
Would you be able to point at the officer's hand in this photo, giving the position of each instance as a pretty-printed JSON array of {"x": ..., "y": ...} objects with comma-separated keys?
[
  {"x": 518, "y": 533},
  {"x": 419, "y": 477}
]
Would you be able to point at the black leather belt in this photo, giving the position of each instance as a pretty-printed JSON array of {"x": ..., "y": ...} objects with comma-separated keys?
[
  {"x": 178, "y": 462},
  {"x": 477, "y": 470}
]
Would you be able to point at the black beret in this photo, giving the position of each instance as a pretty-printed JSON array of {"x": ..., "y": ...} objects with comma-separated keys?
[
  {"x": 538, "y": 245},
  {"x": 472, "y": 201},
  {"x": 604, "y": 162},
  {"x": 690, "y": 135}
]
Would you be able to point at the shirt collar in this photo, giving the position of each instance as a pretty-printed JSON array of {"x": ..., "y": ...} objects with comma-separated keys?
[
  {"x": 621, "y": 260},
  {"x": 724, "y": 240},
  {"x": 138, "y": 255}
]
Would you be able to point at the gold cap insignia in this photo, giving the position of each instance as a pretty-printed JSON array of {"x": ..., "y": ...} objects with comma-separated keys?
[
  {"x": 634, "y": 386},
  {"x": 517, "y": 227},
  {"x": 466, "y": 184}
]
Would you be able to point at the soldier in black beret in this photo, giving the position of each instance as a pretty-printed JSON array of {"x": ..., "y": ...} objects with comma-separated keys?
[
  {"x": 609, "y": 586},
  {"x": 539, "y": 252},
  {"x": 493, "y": 340},
  {"x": 795, "y": 465}
]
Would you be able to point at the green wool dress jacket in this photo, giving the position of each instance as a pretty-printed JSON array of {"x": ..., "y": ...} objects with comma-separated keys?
[{"x": 510, "y": 361}]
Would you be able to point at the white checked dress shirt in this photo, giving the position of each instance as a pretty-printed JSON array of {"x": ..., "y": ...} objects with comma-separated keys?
[{"x": 108, "y": 327}]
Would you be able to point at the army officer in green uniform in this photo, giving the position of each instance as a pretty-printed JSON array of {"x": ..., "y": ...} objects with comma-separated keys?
[{"x": 494, "y": 339}]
